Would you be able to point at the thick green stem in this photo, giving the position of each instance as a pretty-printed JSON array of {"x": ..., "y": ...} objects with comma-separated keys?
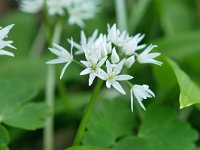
[
  {"x": 50, "y": 94},
  {"x": 87, "y": 113},
  {"x": 48, "y": 129},
  {"x": 121, "y": 14}
]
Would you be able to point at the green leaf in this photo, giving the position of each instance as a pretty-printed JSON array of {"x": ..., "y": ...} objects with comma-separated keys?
[
  {"x": 112, "y": 121},
  {"x": 133, "y": 143},
  {"x": 4, "y": 138},
  {"x": 160, "y": 130},
  {"x": 163, "y": 131},
  {"x": 189, "y": 91},
  {"x": 29, "y": 116},
  {"x": 86, "y": 148},
  {"x": 14, "y": 107},
  {"x": 31, "y": 70}
]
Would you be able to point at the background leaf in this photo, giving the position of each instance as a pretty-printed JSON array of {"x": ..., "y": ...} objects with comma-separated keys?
[
  {"x": 85, "y": 148},
  {"x": 112, "y": 121},
  {"x": 189, "y": 91},
  {"x": 14, "y": 107},
  {"x": 4, "y": 138}
]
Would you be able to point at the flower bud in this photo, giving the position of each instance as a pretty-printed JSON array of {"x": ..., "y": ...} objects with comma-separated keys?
[
  {"x": 130, "y": 61},
  {"x": 114, "y": 56}
]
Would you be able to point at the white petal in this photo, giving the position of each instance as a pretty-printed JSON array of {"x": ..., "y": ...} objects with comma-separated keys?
[
  {"x": 109, "y": 67},
  {"x": 3, "y": 52},
  {"x": 102, "y": 74},
  {"x": 118, "y": 87},
  {"x": 5, "y": 31},
  {"x": 91, "y": 78},
  {"x": 63, "y": 70},
  {"x": 85, "y": 71},
  {"x": 130, "y": 61},
  {"x": 86, "y": 63},
  {"x": 56, "y": 52},
  {"x": 56, "y": 61},
  {"x": 108, "y": 84},
  {"x": 119, "y": 66},
  {"x": 101, "y": 62},
  {"x": 83, "y": 38},
  {"x": 123, "y": 77}
]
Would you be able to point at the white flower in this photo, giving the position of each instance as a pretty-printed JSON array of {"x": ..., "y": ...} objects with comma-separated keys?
[
  {"x": 56, "y": 7},
  {"x": 84, "y": 41},
  {"x": 3, "y": 34},
  {"x": 114, "y": 36},
  {"x": 80, "y": 10},
  {"x": 130, "y": 61},
  {"x": 146, "y": 57},
  {"x": 112, "y": 76},
  {"x": 63, "y": 56},
  {"x": 141, "y": 92},
  {"x": 130, "y": 46},
  {"x": 31, "y": 6},
  {"x": 93, "y": 69}
]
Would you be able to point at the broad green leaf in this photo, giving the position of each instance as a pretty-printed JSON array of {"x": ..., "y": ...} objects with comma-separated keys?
[
  {"x": 14, "y": 107},
  {"x": 133, "y": 143},
  {"x": 31, "y": 70},
  {"x": 189, "y": 91},
  {"x": 86, "y": 148},
  {"x": 4, "y": 138},
  {"x": 160, "y": 130},
  {"x": 29, "y": 116},
  {"x": 164, "y": 132},
  {"x": 110, "y": 122}
]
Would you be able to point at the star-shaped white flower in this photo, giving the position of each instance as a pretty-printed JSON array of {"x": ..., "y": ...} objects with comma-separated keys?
[
  {"x": 147, "y": 57},
  {"x": 112, "y": 76},
  {"x": 31, "y": 6},
  {"x": 93, "y": 68},
  {"x": 141, "y": 92},
  {"x": 80, "y": 10},
  {"x": 3, "y": 34},
  {"x": 84, "y": 41},
  {"x": 56, "y": 7},
  {"x": 63, "y": 56}
]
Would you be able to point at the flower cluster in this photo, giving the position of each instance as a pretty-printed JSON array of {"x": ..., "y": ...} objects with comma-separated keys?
[
  {"x": 3, "y": 34},
  {"x": 78, "y": 10},
  {"x": 106, "y": 55}
]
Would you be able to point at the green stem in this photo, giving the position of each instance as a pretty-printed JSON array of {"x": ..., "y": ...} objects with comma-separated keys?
[
  {"x": 48, "y": 129},
  {"x": 38, "y": 44},
  {"x": 87, "y": 113},
  {"x": 121, "y": 14},
  {"x": 50, "y": 93}
]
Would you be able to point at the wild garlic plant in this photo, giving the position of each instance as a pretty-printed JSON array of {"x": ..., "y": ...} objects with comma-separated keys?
[
  {"x": 3, "y": 43},
  {"x": 106, "y": 56},
  {"x": 77, "y": 10}
]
